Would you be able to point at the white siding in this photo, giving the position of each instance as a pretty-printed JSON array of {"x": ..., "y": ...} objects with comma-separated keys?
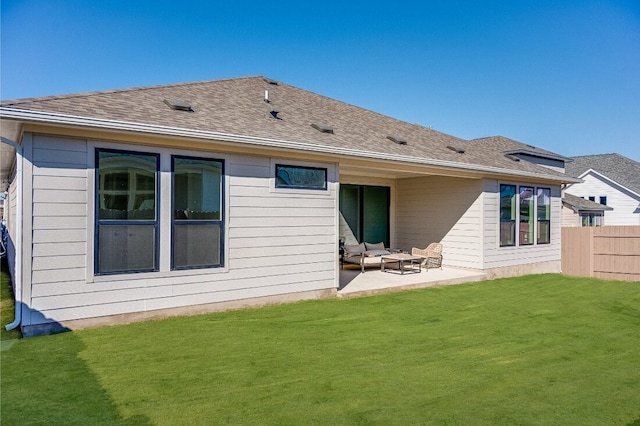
[
  {"x": 501, "y": 257},
  {"x": 626, "y": 207},
  {"x": 59, "y": 179},
  {"x": 442, "y": 209},
  {"x": 276, "y": 241},
  {"x": 570, "y": 218}
]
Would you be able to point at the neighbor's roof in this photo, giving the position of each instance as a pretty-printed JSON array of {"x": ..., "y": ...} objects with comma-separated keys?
[
  {"x": 618, "y": 168},
  {"x": 237, "y": 107},
  {"x": 580, "y": 204}
]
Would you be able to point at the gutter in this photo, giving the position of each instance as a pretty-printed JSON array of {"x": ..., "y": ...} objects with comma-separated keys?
[
  {"x": 71, "y": 120},
  {"x": 17, "y": 278}
]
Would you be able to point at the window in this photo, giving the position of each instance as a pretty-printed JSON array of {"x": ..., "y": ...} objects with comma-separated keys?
[
  {"x": 526, "y": 215},
  {"x": 126, "y": 213},
  {"x": 197, "y": 213},
  {"x": 532, "y": 207},
  {"x": 544, "y": 215},
  {"x": 591, "y": 219},
  {"x": 592, "y": 199},
  {"x": 299, "y": 177},
  {"x": 507, "y": 215},
  {"x": 603, "y": 200}
]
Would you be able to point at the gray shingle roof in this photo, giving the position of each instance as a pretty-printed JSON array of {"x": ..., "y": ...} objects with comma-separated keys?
[
  {"x": 237, "y": 106},
  {"x": 578, "y": 203},
  {"x": 506, "y": 145},
  {"x": 616, "y": 167}
]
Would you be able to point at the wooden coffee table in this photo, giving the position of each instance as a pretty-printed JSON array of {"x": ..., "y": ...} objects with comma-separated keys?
[{"x": 405, "y": 263}]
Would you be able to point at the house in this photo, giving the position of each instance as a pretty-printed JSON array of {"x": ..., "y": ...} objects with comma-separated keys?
[
  {"x": 608, "y": 179},
  {"x": 179, "y": 199},
  {"x": 577, "y": 211}
]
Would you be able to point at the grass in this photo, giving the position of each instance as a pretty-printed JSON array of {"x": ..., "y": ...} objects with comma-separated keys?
[
  {"x": 7, "y": 309},
  {"x": 542, "y": 349}
]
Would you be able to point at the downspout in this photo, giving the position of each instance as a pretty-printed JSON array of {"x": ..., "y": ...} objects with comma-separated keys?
[{"x": 17, "y": 293}]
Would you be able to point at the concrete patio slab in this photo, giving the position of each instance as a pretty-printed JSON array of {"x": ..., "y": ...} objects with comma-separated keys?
[{"x": 372, "y": 281}]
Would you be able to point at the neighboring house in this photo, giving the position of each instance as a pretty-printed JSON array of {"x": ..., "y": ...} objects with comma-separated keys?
[
  {"x": 187, "y": 198},
  {"x": 577, "y": 211},
  {"x": 609, "y": 179}
]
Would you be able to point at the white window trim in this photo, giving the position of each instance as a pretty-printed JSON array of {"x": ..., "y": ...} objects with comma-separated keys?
[{"x": 331, "y": 177}]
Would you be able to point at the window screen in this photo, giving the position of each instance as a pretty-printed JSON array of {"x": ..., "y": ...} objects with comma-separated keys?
[
  {"x": 126, "y": 213},
  {"x": 197, "y": 213}
]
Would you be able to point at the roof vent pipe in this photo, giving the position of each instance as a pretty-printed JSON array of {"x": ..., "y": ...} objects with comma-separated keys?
[{"x": 266, "y": 96}]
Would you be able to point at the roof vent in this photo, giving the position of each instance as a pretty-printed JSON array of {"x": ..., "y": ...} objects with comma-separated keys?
[
  {"x": 178, "y": 104},
  {"x": 512, "y": 157},
  {"x": 397, "y": 139},
  {"x": 274, "y": 114},
  {"x": 269, "y": 81},
  {"x": 322, "y": 128},
  {"x": 457, "y": 149}
]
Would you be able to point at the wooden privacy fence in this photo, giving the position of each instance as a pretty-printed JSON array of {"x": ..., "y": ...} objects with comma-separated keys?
[{"x": 608, "y": 252}]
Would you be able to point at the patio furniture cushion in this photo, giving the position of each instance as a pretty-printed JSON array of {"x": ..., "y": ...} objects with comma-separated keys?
[
  {"x": 354, "y": 249},
  {"x": 376, "y": 246},
  {"x": 376, "y": 253}
]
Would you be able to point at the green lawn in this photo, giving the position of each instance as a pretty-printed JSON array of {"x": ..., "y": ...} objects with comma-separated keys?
[
  {"x": 542, "y": 349},
  {"x": 7, "y": 310}
]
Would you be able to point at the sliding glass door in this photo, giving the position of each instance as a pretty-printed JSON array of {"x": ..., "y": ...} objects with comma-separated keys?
[{"x": 364, "y": 213}]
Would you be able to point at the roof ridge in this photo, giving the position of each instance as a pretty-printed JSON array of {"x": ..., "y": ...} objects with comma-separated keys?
[
  {"x": 10, "y": 102},
  {"x": 597, "y": 155}
]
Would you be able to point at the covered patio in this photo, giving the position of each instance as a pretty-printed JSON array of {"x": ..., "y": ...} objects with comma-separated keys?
[{"x": 354, "y": 283}]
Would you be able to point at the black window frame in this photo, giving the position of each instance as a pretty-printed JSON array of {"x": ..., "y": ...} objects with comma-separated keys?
[
  {"x": 526, "y": 237},
  {"x": 512, "y": 221},
  {"x": 204, "y": 222},
  {"x": 98, "y": 222},
  {"x": 516, "y": 225},
  {"x": 547, "y": 221},
  {"x": 293, "y": 186}
]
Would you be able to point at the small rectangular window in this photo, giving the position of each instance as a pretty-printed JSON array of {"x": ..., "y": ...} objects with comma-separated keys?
[
  {"x": 592, "y": 199},
  {"x": 544, "y": 215},
  {"x": 301, "y": 177},
  {"x": 197, "y": 213},
  {"x": 126, "y": 214},
  {"x": 507, "y": 215},
  {"x": 603, "y": 200}
]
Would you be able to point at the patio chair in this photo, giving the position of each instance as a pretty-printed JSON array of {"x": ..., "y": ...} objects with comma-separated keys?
[{"x": 432, "y": 255}]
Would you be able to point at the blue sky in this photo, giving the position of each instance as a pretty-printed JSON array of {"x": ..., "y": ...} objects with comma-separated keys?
[{"x": 562, "y": 75}]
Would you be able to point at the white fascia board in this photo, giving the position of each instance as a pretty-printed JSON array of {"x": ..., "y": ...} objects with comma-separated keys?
[
  {"x": 90, "y": 122},
  {"x": 609, "y": 181}
]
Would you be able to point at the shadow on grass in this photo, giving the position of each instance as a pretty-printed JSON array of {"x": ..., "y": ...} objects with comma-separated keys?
[
  {"x": 45, "y": 381},
  {"x": 64, "y": 391},
  {"x": 7, "y": 307}
]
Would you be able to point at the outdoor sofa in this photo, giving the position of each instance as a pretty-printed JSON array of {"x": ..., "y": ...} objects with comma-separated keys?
[{"x": 365, "y": 254}]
